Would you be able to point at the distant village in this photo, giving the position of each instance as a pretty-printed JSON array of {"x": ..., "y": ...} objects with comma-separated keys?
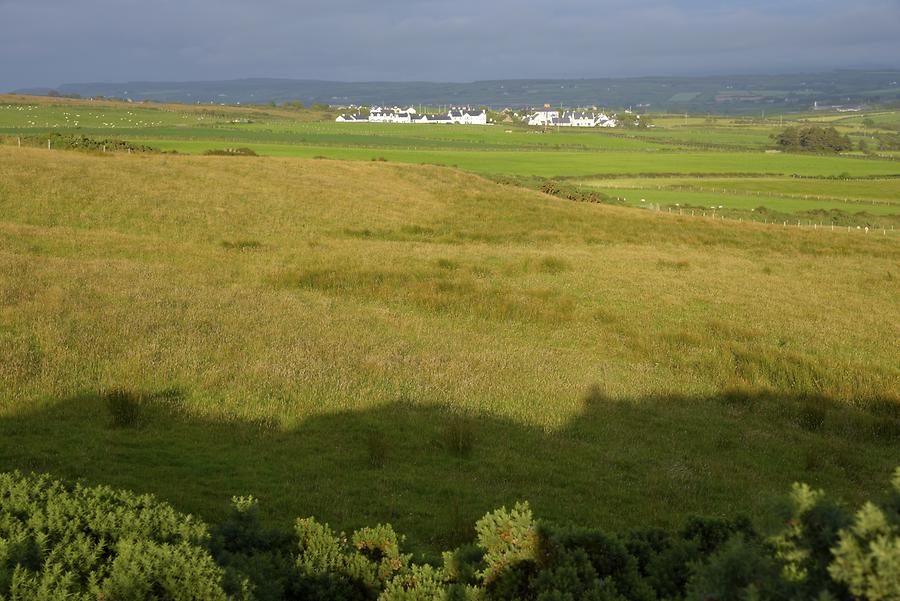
[{"x": 545, "y": 117}]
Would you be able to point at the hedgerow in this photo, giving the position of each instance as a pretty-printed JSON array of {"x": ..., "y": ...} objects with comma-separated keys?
[{"x": 77, "y": 542}]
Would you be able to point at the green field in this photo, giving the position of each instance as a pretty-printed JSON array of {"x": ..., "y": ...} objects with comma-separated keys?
[{"x": 423, "y": 339}]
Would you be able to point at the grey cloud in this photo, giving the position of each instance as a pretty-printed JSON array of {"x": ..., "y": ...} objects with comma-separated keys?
[{"x": 48, "y": 42}]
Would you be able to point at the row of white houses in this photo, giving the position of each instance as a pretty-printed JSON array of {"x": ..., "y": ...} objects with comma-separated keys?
[
  {"x": 463, "y": 116},
  {"x": 547, "y": 117}
]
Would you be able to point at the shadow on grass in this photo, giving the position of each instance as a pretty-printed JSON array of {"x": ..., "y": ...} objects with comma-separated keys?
[{"x": 432, "y": 472}]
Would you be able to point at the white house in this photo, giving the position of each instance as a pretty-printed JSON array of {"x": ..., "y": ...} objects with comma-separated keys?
[
  {"x": 550, "y": 117},
  {"x": 433, "y": 119},
  {"x": 581, "y": 119},
  {"x": 604, "y": 121},
  {"x": 474, "y": 117},
  {"x": 379, "y": 115},
  {"x": 466, "y": 116},
  {"x": 543, "y": 117},
  {"x": 409, "y": 115}
]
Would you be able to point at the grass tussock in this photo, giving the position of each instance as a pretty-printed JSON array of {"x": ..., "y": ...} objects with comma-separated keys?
[
  {"x": 378, "y": 448},
  {"x": 676, "y": 265},
  {"x": 459, "y": 436},
  {"x": 553, "y": 265},
  {"x": 124, "y": 408},
  {"x": 242, "y": 245}
]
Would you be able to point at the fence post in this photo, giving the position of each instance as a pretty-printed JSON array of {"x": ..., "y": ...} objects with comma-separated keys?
[{"x": 48, "y": 144}]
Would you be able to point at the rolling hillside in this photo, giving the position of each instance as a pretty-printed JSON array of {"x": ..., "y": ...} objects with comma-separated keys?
[{"x": 367, "y": 341}]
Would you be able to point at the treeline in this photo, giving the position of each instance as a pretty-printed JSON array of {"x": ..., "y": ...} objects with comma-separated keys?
[
  {"x": 90, "y": 543},
  {"x": 812, "y": 139}
]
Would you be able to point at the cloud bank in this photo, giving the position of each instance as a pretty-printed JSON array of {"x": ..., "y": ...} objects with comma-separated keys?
[{"x": 49, "y": 42}]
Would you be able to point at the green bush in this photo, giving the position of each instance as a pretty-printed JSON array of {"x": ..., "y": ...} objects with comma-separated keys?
[
  {"x": 867, "y": 556},
  {"x": 77, "y": 542}
]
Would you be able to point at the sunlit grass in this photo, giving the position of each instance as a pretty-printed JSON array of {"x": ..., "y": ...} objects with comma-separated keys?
[{"x": 362, "y": 341}]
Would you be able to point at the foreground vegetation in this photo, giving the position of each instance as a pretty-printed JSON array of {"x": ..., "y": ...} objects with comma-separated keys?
[
  {"x": 372, "y": 342},
  {"x": 63, "y": 542}
]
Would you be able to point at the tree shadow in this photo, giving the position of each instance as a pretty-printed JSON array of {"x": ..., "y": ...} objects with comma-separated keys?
[{"x": 432, "y": 471}]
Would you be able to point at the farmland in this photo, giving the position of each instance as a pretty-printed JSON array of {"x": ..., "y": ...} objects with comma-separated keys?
[{"x": 419, "y": 340}]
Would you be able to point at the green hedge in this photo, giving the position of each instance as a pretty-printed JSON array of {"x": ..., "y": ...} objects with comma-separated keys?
[{"x": 75, "y": 542}]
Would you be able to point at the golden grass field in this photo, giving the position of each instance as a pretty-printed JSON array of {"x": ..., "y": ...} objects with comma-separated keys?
[{"x": 371, "y": 341}]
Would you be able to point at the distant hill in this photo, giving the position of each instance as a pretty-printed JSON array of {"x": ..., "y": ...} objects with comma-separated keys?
[{"x": 739, "y": 94}]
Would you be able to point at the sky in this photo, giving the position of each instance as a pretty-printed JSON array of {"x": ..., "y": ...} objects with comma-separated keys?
[{"x": 51, "y": 42}]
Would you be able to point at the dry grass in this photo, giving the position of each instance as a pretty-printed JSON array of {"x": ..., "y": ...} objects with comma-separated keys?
[{"x": 371, "y": 283}]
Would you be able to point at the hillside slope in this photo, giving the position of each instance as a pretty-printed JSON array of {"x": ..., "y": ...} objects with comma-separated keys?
[{"x": 408, "y": 343}]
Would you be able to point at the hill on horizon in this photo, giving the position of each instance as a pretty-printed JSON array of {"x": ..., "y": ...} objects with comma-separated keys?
[{"x": 731, "y": 94}]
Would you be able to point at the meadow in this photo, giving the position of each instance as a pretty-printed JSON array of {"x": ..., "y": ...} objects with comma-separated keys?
[{"x": 384, "y": 342}]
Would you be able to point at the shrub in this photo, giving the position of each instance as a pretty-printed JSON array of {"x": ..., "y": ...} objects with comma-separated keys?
[
  {"x": 867, "y": 556},
  {"x": 806, "y": 542},
  {"x": 59, "y": 541},
  {"x": 742, "y": 570}
]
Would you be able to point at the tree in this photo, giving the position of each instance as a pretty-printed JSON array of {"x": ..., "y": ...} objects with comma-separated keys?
[{"x": 812, "y": 139}]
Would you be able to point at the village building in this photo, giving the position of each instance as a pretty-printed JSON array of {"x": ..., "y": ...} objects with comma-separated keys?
[
  {"x": 548, "y": 117},
  {"x": 468, "y": 116},
  {"x": 395, "y": 114},
  {"x": 544, "y": 116},
  {"x": 433, "y": 119}
]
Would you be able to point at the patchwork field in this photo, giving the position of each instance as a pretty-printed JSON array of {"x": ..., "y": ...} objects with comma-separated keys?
[
  {"x": 697, "y": 149},
  {"x": 381, "y": 342}
]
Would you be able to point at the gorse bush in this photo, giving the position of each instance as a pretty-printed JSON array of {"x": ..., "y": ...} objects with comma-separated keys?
[
  {"x": 64, "y": 542},
  {"x": 61, "y": 542}
]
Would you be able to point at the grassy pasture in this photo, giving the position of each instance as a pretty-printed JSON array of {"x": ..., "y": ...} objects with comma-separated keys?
[
  {"x": 369, "y": 342},
  {"x": 880, "y": 216},
  {"x": 570, "y": 164},
  {"x": 884, "y": 190}
]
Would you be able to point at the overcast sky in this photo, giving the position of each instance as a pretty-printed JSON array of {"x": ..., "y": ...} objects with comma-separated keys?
[{"x": 50, "y": 42}]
